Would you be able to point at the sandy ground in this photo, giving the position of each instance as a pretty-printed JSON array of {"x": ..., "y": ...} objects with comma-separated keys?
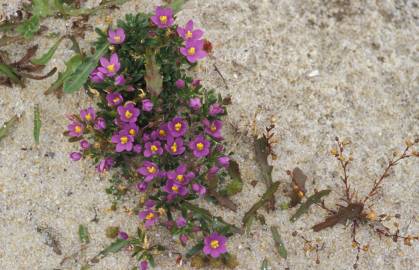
[{"x": 321, "y": 68}]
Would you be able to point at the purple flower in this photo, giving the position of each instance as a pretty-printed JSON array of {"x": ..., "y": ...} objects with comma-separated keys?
[
  {"x": 116, "y": 36},
  {"x": 110, "y": 67},
  {"x": 196, "y": 82},
  {"x": 130, "y": 88},
  {"x": 128, "y": 113},
  {"x": 200, "y": 146},
  {"x": 149, "y": 203},
  {"x": 224, "y": 161},
  {"x": 187, "y": 33},
  {"x": 180, "y": 222},
  {"x": 193, "y": 50},
  {"x": 213, "y": 128},
  {"x": 163, "y": 17},
  {"x": 96, "y": 76},
  {"x": 153, "y": 148},
  {"x": 75, "y": 129},
  {"x": 195, "y": 103},
  {"x": 114, "y": 99},
  {"x": 123, "y": 235},
  {"x": 119, "y": 80},
  {"x": 215, "y": 245},
  {"x": 183, "y": 239},
  {"x": 177, "y": 127},
  {"x": 142, "y": 186},
  {"x": 84, "y": 144},
  {"x": 174, "y": 146},
  {"x": 149, "y": 170},
  {"x": 149, "y": 216},
  {"x": 143, "y": 265},
  {"x": 162, "y": 132},
  {"x": 180, "y": 84},
  {"x": 200, "y": 189},
  {"x": 75, "y": 156},
  {"x": 105, "y": 165},
  {"x": 123, "y": 140},
  {"x": 180, "y": 175},
  {"x": 215, "y": 109},
  {"x": 132, "y": 128},
  {"x": 174, "y": 189},
  {"x": 213, "y": 170},
  {"x": 137, "y": 148},
  {"x": 88, "y": 114},
  {"x": 147, "y": 105},
  {"x": 100, "y": 123}
]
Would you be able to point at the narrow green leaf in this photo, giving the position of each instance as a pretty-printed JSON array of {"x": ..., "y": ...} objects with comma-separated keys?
[
  {"x": 306, "y": 205},
  {"x": 29, "y": 27},
  {"x": 251, "y": 214},
  {"x": 71, "y": 65},
  {"x": 76, "y": 80},
  {"x": 153, "y": 78},
  {"x": 236, "y": 185},
  {"x": 115, "y": 247},
  {"x": 84, "y": 235},
  {"x": 36, "y": 124},
  {"x": 10, "y": 73},
  {"x": 46, "y": 57},
  {"x": 6, "y": 127},
  {"x": 43, "y": 8},
  {"x": 265, "y": 265},
  {"x": 194, "y": 250},
  {"x": 279, "y": 244}
]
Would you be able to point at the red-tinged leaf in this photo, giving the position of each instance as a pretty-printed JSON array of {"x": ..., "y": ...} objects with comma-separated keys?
[{"x": 353, "y": 210}]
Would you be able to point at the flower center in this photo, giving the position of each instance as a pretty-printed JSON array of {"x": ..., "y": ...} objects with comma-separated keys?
[
  {"x": 111, "y": 68},
  {"x": 132, "y": 131},
  {"x": 188, "y": 34},
  {"x": 180, "y": 177},
  {"x": 128, "y": 114},
  {"x": 117, "y": 38},
  {"x": 200, "y": 146},
  {"x": 191, "y": 51},
  {"x": 213, "y": 128},
  {"x": 162, "y": 132},
  {"x": 178, "y": 126},
  {"x": 214, "y": 244},
  {"x": 175, "y": 188},
  {"x": 149, "y": 216},
  {"x": 154, "y": 148},
  {"x": 77, "y": 129},
  {"x": 88, "y": 117},
  {"x": 173, "y": 147},
  {"x": 115, "y": 100},
  {"x": 124, "y": 139},
  {"x": 151, "y": 169},
  {"x": 163, "y": 19}
]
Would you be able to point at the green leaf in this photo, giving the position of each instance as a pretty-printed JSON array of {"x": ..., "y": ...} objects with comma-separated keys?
[
  {"x": 43, "y": 8},
  {"x": 153, "y": 78},
  {"x": 45, "y": 58},
  {"x": 306, "y": 205},
  {"x": 236, "y": 185},
  {"x": 5, "y": 129},
  {"x": 71, "y": 65},
  {"x": 76, "y": 80},
  {"x": 28, "y": 28},
  {"x": 84, "y": 235},
  {"x": 251, "y": 214},
  {"x": 36, "y": 124},
  {"x": 279, "y": 244},
  {"x": 115, "y": 247},
  {"x": 194, "y": 250},
  {"x": 176, "y": 5},
  {"x": 265, "y": 265},
  {"x": 10, "y": 73},
  {"x": 261, "y": 147}
]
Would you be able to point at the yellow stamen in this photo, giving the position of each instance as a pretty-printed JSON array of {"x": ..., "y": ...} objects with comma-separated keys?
[
  {"x": 149, "y": 216},
  {"x": 88, "y": 117},
  {"x": 115, "y": 100},
  {"x": 178, "y": 126},
  {"x": 175, "y": 188},
  {"x": 124, "y": 139},
  {"x": 213, "y": 128},
  {"x": 200, "y": 146},
  {"x": 117, "y": 38},
  {"x": 163, "y": 19},
  {"x": 191, "y": 51},
  {"x": 77, "y": 129},
  {"x": 162, "y": 132},
  {"x": 173, "y": 147},
  {"x": 214, "y": 244},
  {"x": 111, "y": 68},
  {"x": 151, "y": 169},
  {"x": 154, "y": 148},
  {"x": 180, "y": 177},
  {"x": 188, "y": 34},
  {"x": 128, "y": 114},
  {"x": 132, "y": 132}
]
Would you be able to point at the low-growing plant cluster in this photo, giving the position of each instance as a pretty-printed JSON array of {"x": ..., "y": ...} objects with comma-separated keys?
[{"x": 160, "y": 131}]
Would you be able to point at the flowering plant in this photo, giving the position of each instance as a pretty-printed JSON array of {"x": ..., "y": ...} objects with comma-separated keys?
[{"x": 161, "y": 130}]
